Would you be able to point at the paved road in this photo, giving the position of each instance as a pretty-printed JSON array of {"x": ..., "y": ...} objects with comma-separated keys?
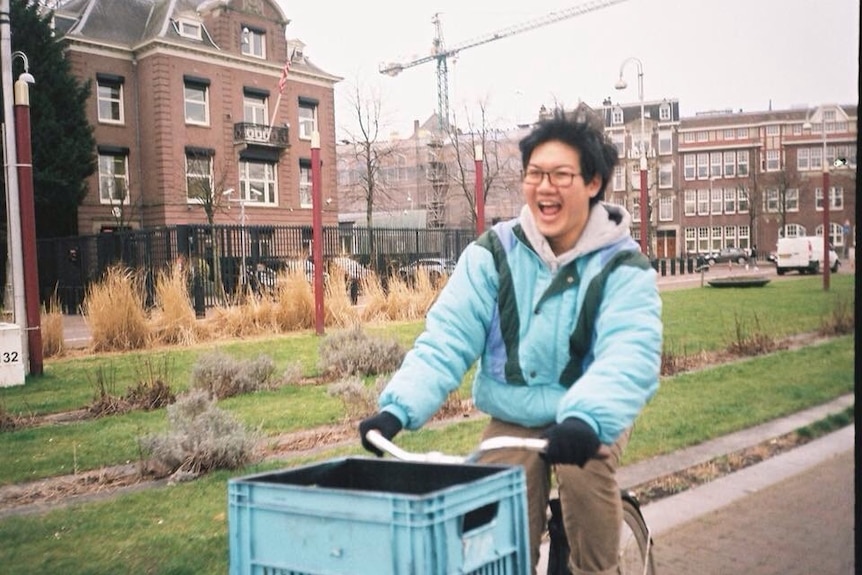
[
  {"x": 803, "y": 525},
  {"x": 792, "y": 514}
]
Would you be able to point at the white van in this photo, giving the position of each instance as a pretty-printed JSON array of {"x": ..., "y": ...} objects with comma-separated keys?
[{"x": 803, "y": 254}]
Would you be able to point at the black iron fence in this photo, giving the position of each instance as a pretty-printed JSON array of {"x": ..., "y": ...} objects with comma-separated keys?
[{"x": 226, "y": 257}]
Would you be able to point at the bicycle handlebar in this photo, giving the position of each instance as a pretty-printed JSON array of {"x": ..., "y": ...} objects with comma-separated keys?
[{"x": 501, "y": 442}]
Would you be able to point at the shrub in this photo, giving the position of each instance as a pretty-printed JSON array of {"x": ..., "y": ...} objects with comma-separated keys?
[
  {"x": 152, "y": 391},
  {"x": 357, "y": 399},
  {"x": 106, "y": 400},
  {"x": 225, "y": 376},
  {"x": 200, "y": 438},
  {"x": 842, "y": 320},
  {"x": 52, "y": 328},
  {"x": 353, "y": 352},
  {"x": 173, "y": 319},
  {"x": 113, "y": 308}
]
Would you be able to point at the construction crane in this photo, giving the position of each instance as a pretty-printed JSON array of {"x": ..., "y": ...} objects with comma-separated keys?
[{"x": 441, "y": 53}]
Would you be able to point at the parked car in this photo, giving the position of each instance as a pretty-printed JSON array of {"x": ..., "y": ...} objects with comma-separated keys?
[
  {"x": 300, "y": 266},
  {"x": 733, "y": 255},
  {"x": 436, "y": 268}
]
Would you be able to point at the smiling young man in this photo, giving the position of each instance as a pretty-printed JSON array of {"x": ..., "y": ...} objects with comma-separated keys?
[{"x": 563, "y": 314}]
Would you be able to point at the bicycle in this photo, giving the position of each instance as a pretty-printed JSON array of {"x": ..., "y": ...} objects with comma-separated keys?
[{"x": 635, "y": 552}]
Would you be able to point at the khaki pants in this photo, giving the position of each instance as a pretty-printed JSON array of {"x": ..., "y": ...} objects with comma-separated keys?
[{"x": 589, "y": 497}]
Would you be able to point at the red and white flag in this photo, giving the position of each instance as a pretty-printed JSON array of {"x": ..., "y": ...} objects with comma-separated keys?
[{"x": 282, "y": 82}]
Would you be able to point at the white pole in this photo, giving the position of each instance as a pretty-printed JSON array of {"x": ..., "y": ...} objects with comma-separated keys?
[{"x": 13, "y": 204}]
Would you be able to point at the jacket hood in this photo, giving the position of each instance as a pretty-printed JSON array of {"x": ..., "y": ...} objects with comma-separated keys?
[{"x": 606, "y": 224}]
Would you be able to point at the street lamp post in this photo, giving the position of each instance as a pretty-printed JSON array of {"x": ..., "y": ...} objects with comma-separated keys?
[
  {"x": 28, "y": 215},
  {"x": 242, "y": 221},
  {"x": 317, "y": 232},
  {"x": 480, "y": 191},
  {"x": 644, "y": 194}
]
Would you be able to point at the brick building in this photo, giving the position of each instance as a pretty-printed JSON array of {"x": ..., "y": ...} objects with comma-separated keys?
[
  {"x": 717, "y": 179},
  {"x": 189, "y": 109}
]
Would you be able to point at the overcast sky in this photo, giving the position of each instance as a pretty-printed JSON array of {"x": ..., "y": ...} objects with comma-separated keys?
[{"x": 708, "y": 54}]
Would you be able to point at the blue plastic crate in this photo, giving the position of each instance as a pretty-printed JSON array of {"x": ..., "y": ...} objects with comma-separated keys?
[{"x": 358, "y": 516}]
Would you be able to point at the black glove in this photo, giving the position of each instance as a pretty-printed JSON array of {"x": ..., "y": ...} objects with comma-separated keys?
[
  {"x": 387, "y": 424},
  {"x": 572, "y": 441}
]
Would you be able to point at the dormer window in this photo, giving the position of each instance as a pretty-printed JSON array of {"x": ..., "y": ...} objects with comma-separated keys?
[
  {"x": 253, "y": 42},
  {"x": 617, "y": 116},
  {"x": 189, "y": 29},
  {"x": 664, "y": 112}
]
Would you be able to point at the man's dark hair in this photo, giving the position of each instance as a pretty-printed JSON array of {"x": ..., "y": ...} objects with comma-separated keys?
[{"x": 598, "y": 156}]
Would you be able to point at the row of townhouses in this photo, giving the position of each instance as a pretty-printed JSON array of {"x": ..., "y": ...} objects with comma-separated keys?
[
  {"x": 206, "y": 106},
  {"x": 718, "y": 179}
]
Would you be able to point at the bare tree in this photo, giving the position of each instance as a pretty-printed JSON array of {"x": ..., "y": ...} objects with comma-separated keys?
[
  {"x": 370, "y": 152},
  {"x": 464, "y": 149},
  {"x": 208, "y": 189}
]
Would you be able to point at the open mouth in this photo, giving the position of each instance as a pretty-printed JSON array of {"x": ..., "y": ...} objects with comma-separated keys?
[{"x": 548, "y": 208}]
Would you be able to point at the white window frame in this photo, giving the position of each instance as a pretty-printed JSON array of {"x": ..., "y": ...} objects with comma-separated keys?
[
  {"x": 665, "y": 142},
  {"x": 192, "y": 107},
  {"x": 791, "y": 200},
  {"x": 773, "y": 130},
  {"x": 617, "y": 116},
  {"x": 193, "y": 173},
  {"x": 729, "y": 134},
  {"x": 793, "y": 231},
  {"x": 664, "y": 112},
  {"x": 836, "y": 198},
  {"x": 742, "y": 133},
  {"x": 619, "y": 181},
  {"x": 703, "y": 166},
  {"x": 729, "y": 164},
  {"x": 742, "y": 163},
  {"x": 189, "y": 29},
  {"x": 729, "y": 201},
  {"x": 618, "y": 139},
  {"x": 715, "y": 165},
  {"x": 690, "y": 202},
  {"x": 773, "y": 160},
  {"x": 742, "y": 200},
  {"x": 304, "y": 177},
  {"x": 110, "y": 177},
  {"x": 716, "y": 200},
  {"x": 255, "y": 109},
  {"x": 703, "y": 202},
  {"x": 703, "y": 136},
  {"x": 253, "y": 43},
  {"x": 261, "y": 177},
  {"x": 771, "y": 200},
  {"x": 665, "y": 209},
  {"x": 665, "y": 174},
  {"x": 111, "y": 101},
  {"x": 802, "y": 159},
  {"x": 307, "y": 120},
  {"x": 688, "y": 137},
  {"x": 689, "y": 167}
]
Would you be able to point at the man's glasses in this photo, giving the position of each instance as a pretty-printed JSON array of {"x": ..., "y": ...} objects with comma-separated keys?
[{"x": 559, "y": 178}]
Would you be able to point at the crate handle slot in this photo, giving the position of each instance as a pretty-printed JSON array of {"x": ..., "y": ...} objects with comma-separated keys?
[{"x": 479, "y": 517}]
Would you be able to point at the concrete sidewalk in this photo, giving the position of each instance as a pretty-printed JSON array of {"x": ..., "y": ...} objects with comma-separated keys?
[{"x": 676, "y": 511}]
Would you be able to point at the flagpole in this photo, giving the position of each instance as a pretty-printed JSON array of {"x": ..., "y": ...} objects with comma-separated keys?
[
  {"x": 282, "y": 83},
  {"x": 274, "y": 112}
]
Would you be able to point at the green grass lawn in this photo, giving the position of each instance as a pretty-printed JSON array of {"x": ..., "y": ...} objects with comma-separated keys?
[
  {"x": 695, "y": 319},
  {"x": 182, "y": 529}
]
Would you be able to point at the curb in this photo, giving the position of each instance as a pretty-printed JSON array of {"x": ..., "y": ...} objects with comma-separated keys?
[{"x": 630, "y": 476}]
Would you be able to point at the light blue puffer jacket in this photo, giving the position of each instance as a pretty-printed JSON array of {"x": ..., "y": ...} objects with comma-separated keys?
[{"x": 572, "y": 336}]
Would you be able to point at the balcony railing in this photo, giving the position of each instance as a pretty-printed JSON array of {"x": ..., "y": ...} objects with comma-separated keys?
[{"x": 261, "y": 135}]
